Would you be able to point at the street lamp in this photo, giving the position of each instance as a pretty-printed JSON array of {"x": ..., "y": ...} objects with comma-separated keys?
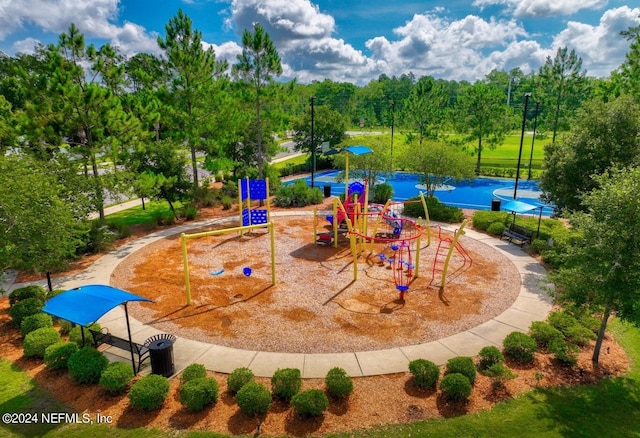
[
  {"x": 313, "y": 146},
  {"x": 533, "y": 139},
  {"x": 524, "y": 121}
]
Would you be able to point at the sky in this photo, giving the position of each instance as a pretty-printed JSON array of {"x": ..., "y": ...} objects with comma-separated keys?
[{"x": 349, "y": 40}]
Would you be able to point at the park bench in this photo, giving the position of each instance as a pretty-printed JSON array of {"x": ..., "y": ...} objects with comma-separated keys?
[
  {"x": 517, "y": 234},
  {"x": 104, "y": 337}
]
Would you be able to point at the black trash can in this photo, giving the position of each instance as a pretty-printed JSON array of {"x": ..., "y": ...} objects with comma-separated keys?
[
  {"x": 495, "y": 205},
  {"x": 327, "y": 191},
  {"x": 161, "y": 354}
]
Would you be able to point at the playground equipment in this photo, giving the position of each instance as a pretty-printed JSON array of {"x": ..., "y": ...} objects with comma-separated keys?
[
  {"x": 250, "y": 219},
  {"x": 446, "y": 247}
]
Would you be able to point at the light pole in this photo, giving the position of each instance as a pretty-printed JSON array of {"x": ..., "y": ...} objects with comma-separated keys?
[
  {"x": 533, "y": 139},
  {"x": 524, "y": 121},
  {"x": 313, "y": 147}
]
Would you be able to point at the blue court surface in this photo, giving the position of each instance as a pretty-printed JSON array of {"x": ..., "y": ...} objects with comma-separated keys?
[{"x": 476, "y": 194}]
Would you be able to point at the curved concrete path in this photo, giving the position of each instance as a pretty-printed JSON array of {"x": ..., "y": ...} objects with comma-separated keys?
[{"x": 532, "y": 304}]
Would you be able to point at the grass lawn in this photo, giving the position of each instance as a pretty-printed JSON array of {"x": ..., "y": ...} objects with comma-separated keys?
[
  {"x": 136, "y": 215},
  {"x": 609, "y": 408}
]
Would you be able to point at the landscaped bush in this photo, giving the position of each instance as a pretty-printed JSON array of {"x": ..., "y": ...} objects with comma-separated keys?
[
  {"x": 462, "y": 365},
  {"x": 57, "y": 355},
  {"x": 197, "y": 393},
  {"x": 149, "y": 392},
  {"x": 254, "y": 399},
  {"x": 425, "y": 373},
  {"x": 456, "y": 386},
  {"x": 34, "y": 322},
  {"x": 482, "y": 219},
  {"x": 382, "y": 193},
  {"x": 23, "y": 308},
  {"x": 99, "y": 238},
  {"x": 22, "y": 293},
  {"x": 75, "y": 334},
  {"x": 193, "y": 371},
  {"x": 520, "y": 347},
  {"x": 544, "y": 333},
  {"x": 190, "y": 212},
  {"x": 338, "y": 383},
  {"x": 489, "y": 356},
  {"x": 86, "y": 365},
  {"x": 580, "y": 335},
  {"x": 538, "y": 246},
  {"x": 496, "y": 228},
  {"x": 298, "y": 194},
  {"x": 437, "y": 210},
  {"x": 500, "y": 374},
  {"x": 36, "y": 342},
  {"x": 562, "y": 321},
  {"x": 585, "y": 319},
  {"x": 238, "y": 378},
  {"x": 286, "y": 382},
  {"x": 564, "y": 351},
  {"x": 116, "y": 376},
  {"x": 310, "y": 403}
]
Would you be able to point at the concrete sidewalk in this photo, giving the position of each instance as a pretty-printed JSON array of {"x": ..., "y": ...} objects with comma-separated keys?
[{"x": 532, "y": 304}]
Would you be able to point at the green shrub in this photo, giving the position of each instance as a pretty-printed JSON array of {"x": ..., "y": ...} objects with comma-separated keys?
[
  {"x": 254, "y": 399},
  {"x": 489, "y": 356},
  {"x": 197, "y": 393},
  {"x": 382, "y": 193},
  {"x": 544, "y": 333},
  {"x": 482, "y": 219},
  {"x": 99, "y": 238},
  {"x": 425, "y": 373},
  {"x": 33, "y": 322},
  {"x": 22, "y": 293},
  {"x": 23, "y": 308},
  {"x": 437, "y": 210},
  {"x": 538, "y": 246},
  {"x": 193, "y": 371},
  {"x": 165, "y": 218},
  {"x": 64, "y": 325},
  {"x": 496, "y": 228},
  {"x": 456, "y": 386},
  {"x": 238, "y": 378},
  {"x": 580, "y": 335},
  {"x": 298, "y": 194},
  {"x": 564, "y": 351},
  {"x": 86, "y": 365},
  {"x": 500, "y": 374},
  {"x": 563, "y": 321},
  {"x": 190, "y": 212},
  {"x": 36, "y": 342},
  {"x": 286, "y": 382},
  {"x": 54, "y": 293},
  {"x": 310, "y": 403},
  {"x": 520, "y": 347},
  {"x": 116, "y": 376},
  {"x": 149, "y": 392},
  {"x": 585, "y": 318},
  {"x": 57, "y": 355},
  {"x": 227, "y": 202},
  {"x": 462, "y": 365},
  {"x": 75, "y": 334},
  {"x": 338, "y": 383}
]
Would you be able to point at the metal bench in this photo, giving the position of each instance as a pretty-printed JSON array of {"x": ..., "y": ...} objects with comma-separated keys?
[
  {"x": 518, "y": 234},
  {"x": 104, "y": 337}
]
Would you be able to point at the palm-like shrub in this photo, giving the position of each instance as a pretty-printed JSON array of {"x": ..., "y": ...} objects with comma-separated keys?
[{"x": 425, "y": 372}]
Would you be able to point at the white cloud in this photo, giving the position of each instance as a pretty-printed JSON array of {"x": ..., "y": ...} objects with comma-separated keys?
[
  {"x": 601, "y": 47},
  {"x": 542, "y": 8},
  {"x": 94, "y": 18},
  {"x": 26, "y": 45}
]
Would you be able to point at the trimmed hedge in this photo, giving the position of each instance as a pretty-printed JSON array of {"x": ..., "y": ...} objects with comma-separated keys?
[
  {"x": 22, "y": 293},
  {"x": 489, "y": 356},
  {"x": 254, "y": 399},
  {"x": 437, "y": 210},
  {"x": 286, "y": 382},
  {"x": 57, "y": 355},
  {"x": 456, "y": 387},
  {"x": 425, "y": 373},
  {"x": 338, "y": 383},
  {"x": 544, "y": 333},
  {"x": 75, "y": 334},
  {"x": 150, "y": 392},
  {"x": 193, "y": 371},
  {"x": 520, "y": 347},
  {"x": 86, "y": 365},
  {"x": 23, "y": 308},
  {"x": 36, "y": 342},
  {"x": 199, "y": 392},
  {"x": 116, "y": 377},
  {"x": 238, "y": 378},
  {"x": 34, "y": 322},
  {"x": 462, "y": 365},
  {"x": 310, "y": 403}
]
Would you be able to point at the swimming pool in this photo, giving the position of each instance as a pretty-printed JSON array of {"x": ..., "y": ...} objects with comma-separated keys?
[{"x": 475, "y": 194}]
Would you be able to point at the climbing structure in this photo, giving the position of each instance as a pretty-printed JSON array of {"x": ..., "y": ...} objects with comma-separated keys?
[
  {"x": 254, "y": 190},
  {"x": 446, "y": 247}
]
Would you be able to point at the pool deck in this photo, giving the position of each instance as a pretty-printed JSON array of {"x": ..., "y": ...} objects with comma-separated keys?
[{"x": 532, "y": 304}]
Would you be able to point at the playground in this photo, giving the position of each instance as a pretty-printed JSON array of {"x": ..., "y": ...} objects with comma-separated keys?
[{"x": 315, "y": 306}]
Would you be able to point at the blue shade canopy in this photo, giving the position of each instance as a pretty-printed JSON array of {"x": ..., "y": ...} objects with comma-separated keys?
[
  {"x": 355, "y": 150},
  {"x": 518, "y": 207},
  {"x": 86, "y": 304}
]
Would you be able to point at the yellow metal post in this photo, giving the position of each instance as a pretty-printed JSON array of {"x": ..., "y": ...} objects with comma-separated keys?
[
  {"x": 335, "y": 222},
  {"x": 273, "y": 253},
  {"x": 185, "y": 262},
  {"x": 426, "y": 218},
  {"x": 456, "y": 235}
]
